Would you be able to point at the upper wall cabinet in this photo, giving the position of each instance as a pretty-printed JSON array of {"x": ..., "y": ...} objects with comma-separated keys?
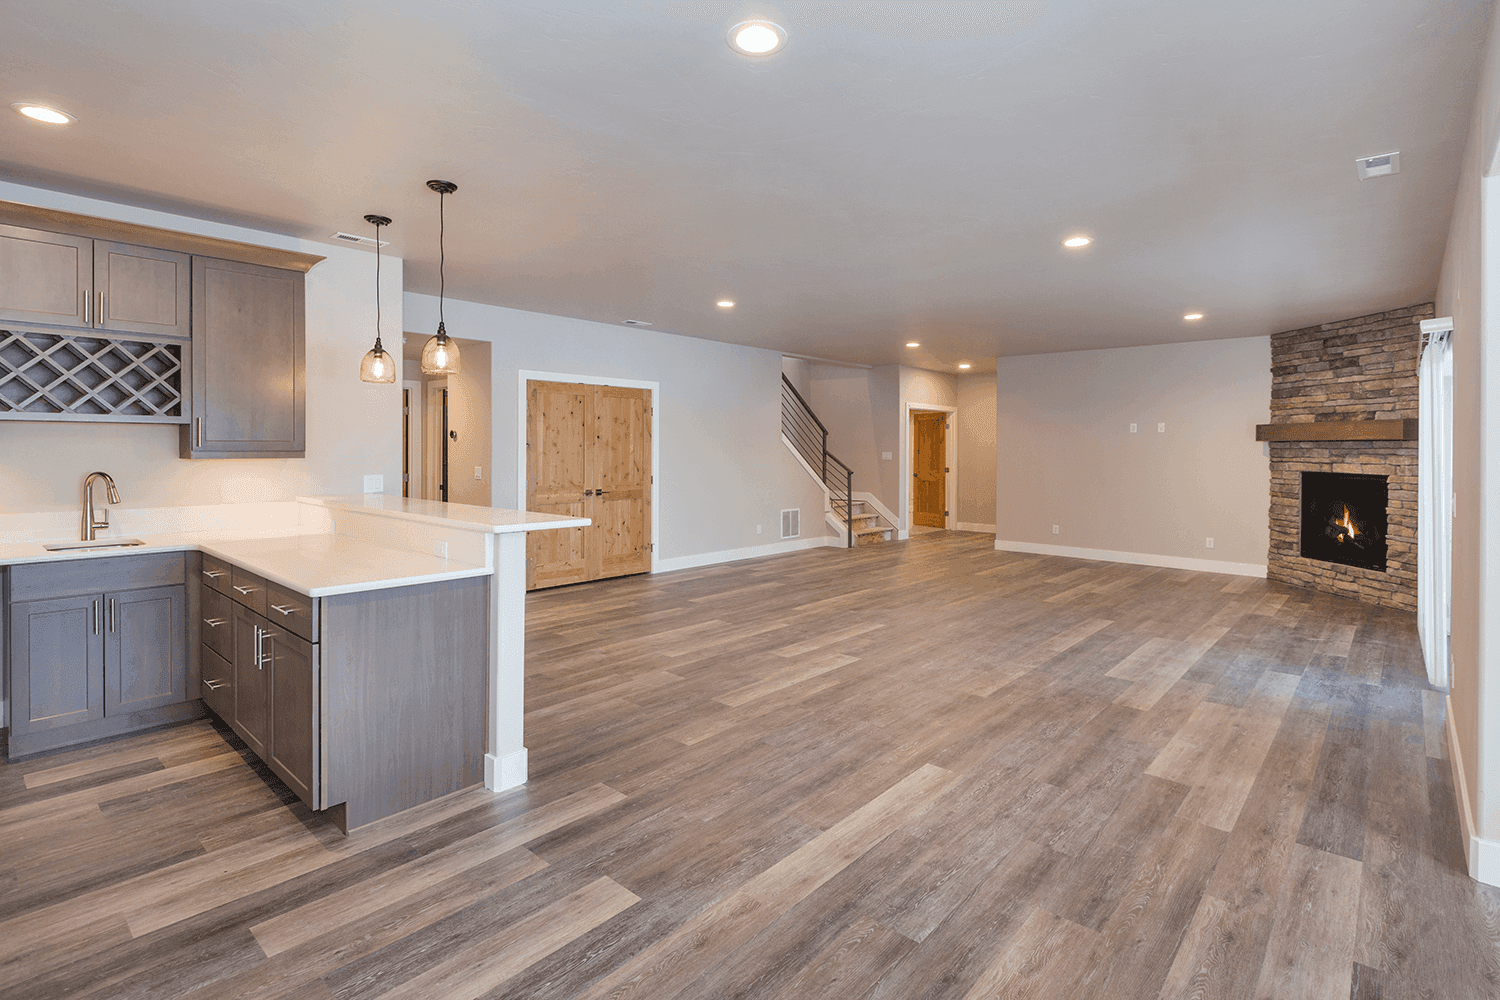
[
  {"x": 140, "y": 290},
  {"x": 249, "y": 355},
  {"x": 45, "y": 277}
]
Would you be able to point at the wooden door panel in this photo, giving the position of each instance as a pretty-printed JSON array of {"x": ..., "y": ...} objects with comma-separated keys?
[
  {"x": 144, "y": 290},
  {"x": 44, "y": 277},
  {"x": 622, "y": 438},
  {"x": 57, "y": 663},
  {"x": 929, "y": 481},
  {"x": 556, "y": 459},
  {"x": 555, "y": 558},
  {"x": 622, "y": 525},
  {"x": 145, "y": 649}
]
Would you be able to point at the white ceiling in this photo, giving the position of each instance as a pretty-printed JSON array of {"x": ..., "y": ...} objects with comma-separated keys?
[{"x": 899, "y": 171}]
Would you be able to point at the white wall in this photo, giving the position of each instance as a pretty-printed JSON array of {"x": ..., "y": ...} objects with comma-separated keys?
[
  {"x": 844, "y": 399},
  {"x": 1065, "y": 455},
  {"x": 1469, "y": 291},
  {"x": 976, "y": 450},
  {"x": 353, "y": 428},
  {"x": 723, "y": 467}
]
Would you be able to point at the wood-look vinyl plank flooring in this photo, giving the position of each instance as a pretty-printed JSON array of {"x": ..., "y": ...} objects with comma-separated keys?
[{"x": 917, "y": 771}]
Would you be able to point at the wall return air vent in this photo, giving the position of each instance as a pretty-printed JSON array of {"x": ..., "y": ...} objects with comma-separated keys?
[
  {"x": 351, "y": 238},
  {"x": 791, "y": 523},
  {"x": 1378, "y": 166}
]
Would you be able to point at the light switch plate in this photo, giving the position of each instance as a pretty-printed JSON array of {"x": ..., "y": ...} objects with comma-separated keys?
[
  {"x": 478, "y": 472},
  {"x": 375, "y": 484},
  {"x": 1161, "y": 428},
  {"x": 885, "y": 456},
  {"x": 1132, "y": 428}
]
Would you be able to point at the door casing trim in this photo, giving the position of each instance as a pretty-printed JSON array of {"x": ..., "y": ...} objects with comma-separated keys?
[{"x": 621, "y": 383}]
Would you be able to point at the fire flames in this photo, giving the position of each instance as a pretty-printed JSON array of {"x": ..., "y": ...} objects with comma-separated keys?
[{"x": 1347, "y": 528}]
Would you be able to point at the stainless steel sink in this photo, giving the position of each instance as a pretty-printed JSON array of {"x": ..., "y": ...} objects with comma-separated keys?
[{"x": 98, "y": 543}]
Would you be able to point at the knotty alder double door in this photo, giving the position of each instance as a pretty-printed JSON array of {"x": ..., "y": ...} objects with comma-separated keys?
[{"x": 588, "y": 454}]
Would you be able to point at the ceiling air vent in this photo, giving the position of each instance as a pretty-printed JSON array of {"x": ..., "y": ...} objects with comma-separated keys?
[
  {"x": 351, "y": 238},
  {"x": 1378, "y": 166},
  {"x": 635, "y": 322},
  {"x": 791, "y": 522}
]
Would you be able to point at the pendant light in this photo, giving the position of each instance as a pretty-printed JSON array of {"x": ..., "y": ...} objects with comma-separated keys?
[
  {"x": 377, "y": 365},
  {"x": 440, "y": 354}
]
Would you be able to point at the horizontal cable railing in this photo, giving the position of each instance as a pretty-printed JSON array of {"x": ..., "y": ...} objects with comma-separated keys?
[{"x": 808, "y": 435}]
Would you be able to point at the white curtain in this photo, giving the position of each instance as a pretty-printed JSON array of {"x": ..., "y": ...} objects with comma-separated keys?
[{"x": 1435, "y": 505}]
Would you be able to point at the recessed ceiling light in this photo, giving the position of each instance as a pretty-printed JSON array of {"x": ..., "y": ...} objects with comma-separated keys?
[
  {"x": 45, "y": 115},
  {"x": 1074, "y": 242},
  {"x": 757, "y": 38},
  {"x": 725, "y": 303},
  {"x": 912, "y": 343},
  {"x": 963, "y": 366},
  {"x": 1193, "y": 317}
]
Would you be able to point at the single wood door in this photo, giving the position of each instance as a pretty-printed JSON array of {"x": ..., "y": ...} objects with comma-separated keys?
[
  {"x": 588, "y": 454},
  {"x": 294, "y": 710},
  {"x": 435, "y": 438},
  {"x": 141, "y": 290},
  {"x": 252, "y": 685},
  {"x": 929, "y": 486},
  {"x": 145, "y": 649},
  {"x": 248, "y": 360},
  {"x": 45, "y": 277},
  {"x": 57, "y": 663}
]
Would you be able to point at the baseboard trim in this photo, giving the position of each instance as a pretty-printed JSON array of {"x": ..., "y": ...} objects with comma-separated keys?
[
  {"x": 749, "y": 552},
  {"x": 506, "y": 772},
  {"x": 1135, "y": 558},
  {"x": 984, "y": 529},
  {"x": 1481, "y": 855}
]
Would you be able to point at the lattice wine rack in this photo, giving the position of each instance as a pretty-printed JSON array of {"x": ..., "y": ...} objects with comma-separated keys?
[{"x": 64, "y": 376}]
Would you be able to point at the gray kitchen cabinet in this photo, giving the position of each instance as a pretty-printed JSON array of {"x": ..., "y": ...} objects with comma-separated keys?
[
  {"x": 96, "y": 648},
  {"x": 45, "y": 277},
  {"x": 142, "y": 290},
  {"x": 57, "y": 664},
  {"x": 293, "y": 665},
  {"x": 248, "y": 396},
  {"x": 252, "y": 683}
]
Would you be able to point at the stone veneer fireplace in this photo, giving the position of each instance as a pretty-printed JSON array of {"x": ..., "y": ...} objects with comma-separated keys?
[{"x": 1344, "y": 400}]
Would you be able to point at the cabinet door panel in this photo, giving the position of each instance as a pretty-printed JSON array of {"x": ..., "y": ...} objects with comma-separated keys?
[
  {"x": 44, "y": 277},
  {"x": 57, "y": 663},
  {"x": 294, "y": 711},
  {"x": 145, "y": 649},
  {"x": 252, "y": 684},
  {"x": 141, "y": 290},
  {"x": 248, "y": 359}
]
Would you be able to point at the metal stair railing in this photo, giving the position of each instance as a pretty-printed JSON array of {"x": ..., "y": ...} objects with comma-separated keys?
[{"x": 808, "y": 435}]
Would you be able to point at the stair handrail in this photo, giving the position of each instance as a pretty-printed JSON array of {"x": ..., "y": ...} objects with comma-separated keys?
[{"x": 810, "y": 437}]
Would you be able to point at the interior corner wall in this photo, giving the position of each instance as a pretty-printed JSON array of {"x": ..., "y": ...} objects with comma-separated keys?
[
  {"x": 976, "y": 449},
  {"x": 1469, "y": 291},
  {"x": 470, "y": 415},
  {"x": 1065, "y": 454},
  {"x": 797, "y": 372},
  {"x": 723, "y": 469},
  {"x": 850, "y": 406},
  {"x": 353, "y": 428}
]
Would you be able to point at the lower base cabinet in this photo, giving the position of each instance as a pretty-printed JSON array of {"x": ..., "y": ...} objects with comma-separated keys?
[
  {"x": 95, "y": 648},
  {"x": 365, "y": 704}
]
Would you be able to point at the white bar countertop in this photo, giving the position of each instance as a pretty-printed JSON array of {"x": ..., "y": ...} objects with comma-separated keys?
[{"x": 320, "y": 564}]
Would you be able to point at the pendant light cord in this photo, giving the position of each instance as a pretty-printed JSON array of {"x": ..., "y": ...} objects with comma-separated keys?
[
  {"x": 442, "y": 257},
  {"x": 378, "y": 348}
]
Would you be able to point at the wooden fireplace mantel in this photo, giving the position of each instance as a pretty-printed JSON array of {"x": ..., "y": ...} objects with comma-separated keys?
[{"x": 1340, "y": 430}]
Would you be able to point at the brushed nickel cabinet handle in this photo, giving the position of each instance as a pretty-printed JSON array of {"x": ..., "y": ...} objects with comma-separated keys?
[
  {"x": 198, "y": 431},
  {"x": 259, "y": 648},
  {"x": 214, "y": 685},
  {"x": 284, "y": 610},
  {"x": 244, "y": 590},
  {"x": 99, "y": 317},
  {"x": 111, "y": 614},
  {"x": 213, "y": 574},
  {"x": 95, "y": 606},
  {"x": 215, "y": 622},
  {"x": 85, "y": 307}
]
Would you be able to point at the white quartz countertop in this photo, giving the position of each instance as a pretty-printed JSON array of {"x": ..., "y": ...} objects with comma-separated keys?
[
  {"x": 464, "y": 517},
  {"x": 318, "y": 565}
]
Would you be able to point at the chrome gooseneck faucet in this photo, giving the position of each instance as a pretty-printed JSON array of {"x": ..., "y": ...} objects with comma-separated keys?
[{"x": 91, "y": 521}]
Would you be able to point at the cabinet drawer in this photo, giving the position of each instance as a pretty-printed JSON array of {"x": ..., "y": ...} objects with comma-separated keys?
[
  {"x": 218, "y": 684},
  {"x": 78, "y": 577},
  {"x": 216, "y": 573},
  {"x": 294, "y": 612},
  {"x": 248, "y": 589},
  {"x": 218, "y": 623}
]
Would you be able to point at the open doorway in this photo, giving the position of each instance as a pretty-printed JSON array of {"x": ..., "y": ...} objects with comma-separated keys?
[
  {"x": 447, "y": 430},
  {"x": 930, "y": 476}
]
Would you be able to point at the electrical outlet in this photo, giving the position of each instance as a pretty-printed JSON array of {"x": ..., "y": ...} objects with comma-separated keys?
[
  {"x": 1132, "y": 428},
  {"x": 885, "y": 456},
  {"x": 1054, "y": 529},
  {"x": 757, "y": 529},
  {"x": 1161, "y": 428},
  {"x": 478, "y": 472},
  {"x": 440, "y": 549},
  {"x": 1210, "y": 543},
  {"x": 375, "y": 484}
]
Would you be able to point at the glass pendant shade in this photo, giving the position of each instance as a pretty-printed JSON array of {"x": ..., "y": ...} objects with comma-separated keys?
[
  {"x": 440, "y": 354},
  {"x": 377, "y": 366}
]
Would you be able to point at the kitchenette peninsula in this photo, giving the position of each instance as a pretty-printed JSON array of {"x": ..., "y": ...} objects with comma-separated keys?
[{"x": 368, "y": 649}]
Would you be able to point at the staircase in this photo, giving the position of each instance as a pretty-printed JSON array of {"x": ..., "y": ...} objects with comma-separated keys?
[{"x": 857, "y": 519}]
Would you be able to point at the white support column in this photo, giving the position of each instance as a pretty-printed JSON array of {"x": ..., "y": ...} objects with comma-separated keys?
[{"x": 505, "y": 761}]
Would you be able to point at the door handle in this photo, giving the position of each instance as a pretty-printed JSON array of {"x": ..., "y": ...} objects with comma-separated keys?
[
  {"x": 198, "y": 423},
  {"x": 213, "y": 574},
  {"x": 588, "y": 493},
  {"x": 99, "y": 316},
  {"x": 95, "y": 606},
  {"x": 259, "y": 648},
  {"x": 289, "y": 609},
  {"x": 247, "y": 591},
  {"x": 600, "y": 493},
  {"x": 111, "y": 614},
  {"x": 214, "y": 685},
  {"x": 86, "y": 307},
  {"x": 215, "y": 622}
]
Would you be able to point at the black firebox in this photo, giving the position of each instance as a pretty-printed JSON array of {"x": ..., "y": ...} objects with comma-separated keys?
[{"x": 1344, "y": 518}]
